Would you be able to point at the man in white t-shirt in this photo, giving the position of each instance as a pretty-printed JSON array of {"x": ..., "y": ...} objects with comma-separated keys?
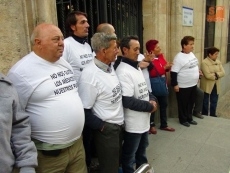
[
  {"x": 100, "y": 91},
  {"x": 48, "y": 93},
  {"x": 184, "y": 78},
  {"x": 138, "y": 104},
  {"x": 145, "y": 71},
  {"x": 77, "y": 51}
]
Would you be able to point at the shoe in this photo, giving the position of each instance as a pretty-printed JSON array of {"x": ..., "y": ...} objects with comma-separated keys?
[
  {"x": 213, "y": 115},
  {"x": 152, "y": 130},
  {"x": 185, "y": 124},
  {"x": 198, "y": 115},
  {"x": 193, "y": 122},
  {"x": 170, "y": 129}
]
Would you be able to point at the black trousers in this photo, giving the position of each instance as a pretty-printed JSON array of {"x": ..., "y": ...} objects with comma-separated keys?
[
  {"x": 185, "y": 101},
  {"x": 198, "y": 101}
]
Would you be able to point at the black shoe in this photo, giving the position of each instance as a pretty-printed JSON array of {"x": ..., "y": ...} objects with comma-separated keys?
[
  {"x": 198, "y": 115},
  {"x": 193, "y": 122},
  {"x": 185, "y": 124},
  {"x": 213, "y": 115}
]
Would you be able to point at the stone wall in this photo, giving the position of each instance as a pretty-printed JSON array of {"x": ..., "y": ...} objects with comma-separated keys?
[
  {"x": 17, "y": 21},
  {"x": 13, "y": 33}
]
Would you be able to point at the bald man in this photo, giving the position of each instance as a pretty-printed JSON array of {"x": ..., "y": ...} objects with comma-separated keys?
[
  {"x": 47, "y": 92},
  {"x": 106, "y": 28}
]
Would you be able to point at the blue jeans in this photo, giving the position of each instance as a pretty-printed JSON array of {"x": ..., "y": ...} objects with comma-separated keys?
[
  {"x": 134, "y": 151},
  {"x": 213, "y": 97},
  {"x": 163, "y": 103}
]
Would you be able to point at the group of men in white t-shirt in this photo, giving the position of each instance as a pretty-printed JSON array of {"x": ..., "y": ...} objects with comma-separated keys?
[
  {"x": 102, "y": 91},
  {"x": 60, "y": 98}
]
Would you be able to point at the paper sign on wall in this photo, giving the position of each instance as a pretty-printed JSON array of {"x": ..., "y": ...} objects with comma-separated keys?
[{"x": 187, "y": 16}]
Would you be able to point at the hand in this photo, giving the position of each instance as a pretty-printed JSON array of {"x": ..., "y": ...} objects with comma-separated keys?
[
  {"x": 154, "y": 103},
  {"x": 148, "y": 57},
  {"x": 201, "y": 73},
  {"x": 168, "y": 65},
  {"x": 176, "y": 88},
  {"x": 216, "y": 76}
]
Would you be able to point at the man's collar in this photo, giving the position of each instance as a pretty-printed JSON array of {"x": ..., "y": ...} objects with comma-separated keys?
[
  {"x": 133, "y": 63},
  {"x": 104, "y": 67},
  {"x": 79, "y": 39}
]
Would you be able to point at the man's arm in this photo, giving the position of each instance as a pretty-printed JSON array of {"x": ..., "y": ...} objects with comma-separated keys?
[
  {"x": 174, "y": 82},
  {"x": 23, "y": 148},
  {"x": 92, "y": 120},
  {"x": 136, "y": 104}
]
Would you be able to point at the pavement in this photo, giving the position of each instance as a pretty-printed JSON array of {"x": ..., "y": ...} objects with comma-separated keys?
[{"x": 202, "y": 148}]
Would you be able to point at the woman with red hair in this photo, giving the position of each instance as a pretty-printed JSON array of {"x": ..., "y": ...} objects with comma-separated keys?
[{"x": 158, "y": 68}]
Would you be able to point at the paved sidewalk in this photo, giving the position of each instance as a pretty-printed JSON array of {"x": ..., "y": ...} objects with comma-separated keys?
[
  {"x": 223, "y": 106},
  {"x": 202, "y": 148}
]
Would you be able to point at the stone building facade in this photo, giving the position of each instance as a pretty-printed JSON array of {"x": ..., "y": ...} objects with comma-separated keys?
[{"x": 162, "y": 20}]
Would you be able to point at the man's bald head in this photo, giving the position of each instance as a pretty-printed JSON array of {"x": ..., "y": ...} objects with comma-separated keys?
[
  {"x": 106, "y": 28},
  {"x": 47, "y": 40}
]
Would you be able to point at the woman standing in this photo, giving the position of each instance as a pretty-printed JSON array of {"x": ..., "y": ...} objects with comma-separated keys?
[
  {"x": 184, "y": 78},
  {"x": 158, "y": 68},
  {"x": 210, "y": 82}
]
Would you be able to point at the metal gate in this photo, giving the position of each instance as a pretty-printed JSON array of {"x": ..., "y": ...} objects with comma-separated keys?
[{"x": 124, "y": 15}]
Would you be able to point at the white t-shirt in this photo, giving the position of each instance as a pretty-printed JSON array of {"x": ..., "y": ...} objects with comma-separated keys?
[
  {"x": 48, "y": 93},
  {"x": 101, "y": 91},
  {"x": 133, "y": 85},
  {"x": 77, "y": 54},
  {"x": 186, "y": 67},
  {"x": 145, "y": 72}
]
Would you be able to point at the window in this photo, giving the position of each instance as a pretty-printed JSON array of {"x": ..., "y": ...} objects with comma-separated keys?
[
  {"x": 209, "y": 26},
  {"x": 228, "y": 53}
]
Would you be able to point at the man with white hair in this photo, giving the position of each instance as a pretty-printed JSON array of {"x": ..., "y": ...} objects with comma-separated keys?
[{"x": 100, "y": 91}]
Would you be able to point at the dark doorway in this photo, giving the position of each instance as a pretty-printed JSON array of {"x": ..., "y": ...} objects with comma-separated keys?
[
  {"x": 228, "y": 54},
  {"x": 209, "y": 26}
]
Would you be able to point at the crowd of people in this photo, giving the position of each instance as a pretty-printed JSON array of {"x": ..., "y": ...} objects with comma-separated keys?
[{"x": 66, "y": 97}]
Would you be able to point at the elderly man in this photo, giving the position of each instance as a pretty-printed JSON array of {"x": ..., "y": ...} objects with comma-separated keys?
[
  {"x": 138, "y": 104},
  {"x": 16, "y": 147},
  {"x": 106, "y": 28},
  {"x": 100, "y": 92},
  {"x": 48, "y": 93}
]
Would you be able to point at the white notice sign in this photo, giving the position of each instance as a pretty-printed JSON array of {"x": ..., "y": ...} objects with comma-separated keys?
[{"x": 187, "y": 16}]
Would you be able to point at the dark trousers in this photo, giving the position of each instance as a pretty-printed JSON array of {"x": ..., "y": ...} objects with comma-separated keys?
[
  {"x": 87, "y": 142},
  {"x": 108, "y": 146},
  {"x": 185, "y": 101},
  {"x": 134, "y": 151},
  {"x": 213, "y": 98},
  {"x": 198, "y": 101},
  {"x": 163, "y": 103}
]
